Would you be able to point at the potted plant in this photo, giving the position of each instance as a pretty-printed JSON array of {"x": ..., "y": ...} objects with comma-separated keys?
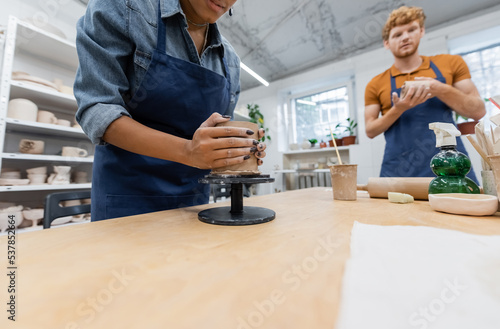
[
  {"x": 350, "y": 129},
  {"x": 257, "y": 117},
  {"x": 313, "y": 141},
  {"x": 338, "y": 139},
  {"x": 465, "y": 125}
]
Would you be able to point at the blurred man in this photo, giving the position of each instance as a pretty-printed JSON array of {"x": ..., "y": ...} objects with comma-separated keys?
[{"x": 410, "y": 145}]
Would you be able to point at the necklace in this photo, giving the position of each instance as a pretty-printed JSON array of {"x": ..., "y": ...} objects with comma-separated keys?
[
  {"x": 196, "y": 24},
  {"x": 206, "y": 38}
]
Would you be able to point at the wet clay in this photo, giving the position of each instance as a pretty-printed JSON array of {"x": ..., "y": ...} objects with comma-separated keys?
[{"x": 249, "y": 166}]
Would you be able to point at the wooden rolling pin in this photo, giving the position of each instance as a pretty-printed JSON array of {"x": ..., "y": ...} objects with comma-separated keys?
[{"x": 378, "y": 187}]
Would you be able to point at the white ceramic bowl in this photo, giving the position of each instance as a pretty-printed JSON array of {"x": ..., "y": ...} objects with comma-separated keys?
[
  {"x": 22, "y": 109},
  {"x": 62, "y": 220},
  {"x": 11, "y": 175},
  {"x": 34, "y": 215},
  {"x": 464, "y": 204},
  {"x": 16, "y": 211}
]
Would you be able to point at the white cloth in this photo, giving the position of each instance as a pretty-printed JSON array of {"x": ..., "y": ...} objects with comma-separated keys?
[{"x": 407, "y": 277}]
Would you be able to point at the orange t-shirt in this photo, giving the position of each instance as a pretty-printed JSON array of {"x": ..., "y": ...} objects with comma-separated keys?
[{"x": 378, "y": 91}]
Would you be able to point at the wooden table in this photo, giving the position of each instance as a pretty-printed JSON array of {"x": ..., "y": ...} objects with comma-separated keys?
[{"x": 169, "y": 270}]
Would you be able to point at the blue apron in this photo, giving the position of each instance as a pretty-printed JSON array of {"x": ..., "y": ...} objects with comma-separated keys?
[
  {"x": 410, "y": 144},
  {"x": 175, "y": 97}
]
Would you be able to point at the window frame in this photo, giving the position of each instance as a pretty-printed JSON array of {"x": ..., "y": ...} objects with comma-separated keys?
[{"x": 290, "y": 102}]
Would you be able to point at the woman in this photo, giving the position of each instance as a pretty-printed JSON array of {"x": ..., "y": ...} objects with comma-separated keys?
[{"x": 155, "y": 77}]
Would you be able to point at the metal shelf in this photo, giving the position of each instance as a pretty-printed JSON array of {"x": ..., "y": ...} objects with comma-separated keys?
[
  {"x": 44, "y": 97},
  {"x": 317, "y": 150},
  {"x": 42, "y": 157},
  {"x": 44, "y": 187},
  {"x": 43, "y": 128},
  {"x": 48, "y": 46}
]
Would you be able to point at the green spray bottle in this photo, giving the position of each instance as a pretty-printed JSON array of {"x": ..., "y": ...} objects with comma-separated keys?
[{"x": 450, "y": 165}]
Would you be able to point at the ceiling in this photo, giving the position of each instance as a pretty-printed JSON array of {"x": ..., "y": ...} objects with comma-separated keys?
[{"x": 279, "y": 38}]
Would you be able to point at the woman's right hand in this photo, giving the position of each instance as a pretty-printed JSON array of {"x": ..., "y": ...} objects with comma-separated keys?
[{"x": 207, "y": 150}]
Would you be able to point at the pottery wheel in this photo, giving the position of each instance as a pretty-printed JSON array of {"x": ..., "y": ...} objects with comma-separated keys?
[{"x": 237, "y": 214}]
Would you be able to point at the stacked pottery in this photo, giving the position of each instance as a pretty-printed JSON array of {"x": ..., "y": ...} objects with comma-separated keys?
[
  {"x": 10, "y": 176},
  {"x": 9, "y": 173},
  {"x": 37, "y": 176}
]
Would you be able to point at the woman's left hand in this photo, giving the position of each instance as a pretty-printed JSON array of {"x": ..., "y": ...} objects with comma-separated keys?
[{"x": 260, "y": 153}]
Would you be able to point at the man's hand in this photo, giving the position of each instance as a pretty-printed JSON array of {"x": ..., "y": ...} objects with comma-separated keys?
[
  {"x": 463, "y": 97},
  {"x": 414, "y": 96}
]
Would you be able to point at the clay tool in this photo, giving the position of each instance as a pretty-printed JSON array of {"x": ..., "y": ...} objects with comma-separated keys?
[
  {"x": 482, "y": 139},
  {"x": 335, "y": 144}
]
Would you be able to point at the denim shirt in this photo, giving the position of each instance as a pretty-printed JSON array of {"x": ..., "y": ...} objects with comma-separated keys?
[{"x": 115, "y": 43}]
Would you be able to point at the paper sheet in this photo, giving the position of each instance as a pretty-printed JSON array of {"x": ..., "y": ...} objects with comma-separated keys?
[{"x": 407, "y": 277}]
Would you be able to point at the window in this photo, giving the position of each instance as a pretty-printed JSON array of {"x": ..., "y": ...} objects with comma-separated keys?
[
  {"x": 310, "y": 116},
  {"x": 484, "y": 66}
]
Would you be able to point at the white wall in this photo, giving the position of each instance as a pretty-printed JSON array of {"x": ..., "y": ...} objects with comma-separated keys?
[
  {"x": 368, "y": 154},
  {"x": 62, "y": 14}
]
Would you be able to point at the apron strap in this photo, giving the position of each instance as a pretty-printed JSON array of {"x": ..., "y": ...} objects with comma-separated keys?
[
  {"x": 161, "y": 43},
  {"x": 436, "y": 70}
]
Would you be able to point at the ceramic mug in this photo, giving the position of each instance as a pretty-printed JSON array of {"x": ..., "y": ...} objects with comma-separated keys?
[
  {"x": 70, "y": 151},
  {"x": 46, "y": 117},
  {"x": 63, "y": 122},
  {"x": 22, "y": 109},
  {"x": 80, "y": 177},
  {"x": 31, "y": 146}
]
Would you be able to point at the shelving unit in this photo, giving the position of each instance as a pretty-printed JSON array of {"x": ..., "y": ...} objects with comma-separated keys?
[
  {"x": 317, "y": 150},
  {"x": 295, "y": 166},
  {"x": 42, "y": 54}
]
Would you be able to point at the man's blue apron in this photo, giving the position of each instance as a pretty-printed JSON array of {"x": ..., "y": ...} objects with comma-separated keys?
[
  {"x": 410, "y": 144},
  {"x": 175, "y": 97}
]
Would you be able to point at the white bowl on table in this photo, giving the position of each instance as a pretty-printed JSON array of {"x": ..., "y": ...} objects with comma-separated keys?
[{"x": 464, "y": 204}]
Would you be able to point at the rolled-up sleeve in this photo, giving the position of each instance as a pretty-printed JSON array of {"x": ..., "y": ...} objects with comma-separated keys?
[{"x": 104, "y": 51}]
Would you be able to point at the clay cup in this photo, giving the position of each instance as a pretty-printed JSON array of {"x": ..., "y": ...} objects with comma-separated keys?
[
  {"x": 46, "y": 117},
  {"x": 31, "y": 146},
  {"x": 344, "y": 181}
]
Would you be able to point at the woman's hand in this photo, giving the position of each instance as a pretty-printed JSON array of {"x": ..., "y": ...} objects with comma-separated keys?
[
  {"x": 260, "y": 154},
  {"x": 207, "y": 150}
]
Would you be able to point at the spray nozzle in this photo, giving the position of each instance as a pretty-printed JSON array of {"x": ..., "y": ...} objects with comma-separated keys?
[{"x": 446, "y": 133}]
